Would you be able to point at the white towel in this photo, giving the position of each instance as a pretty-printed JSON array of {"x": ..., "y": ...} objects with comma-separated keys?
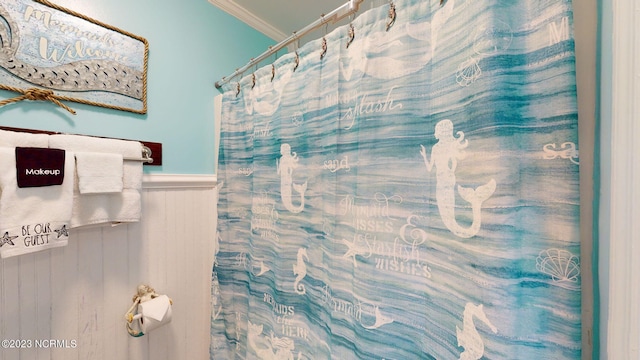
[
  {"x": 99, "y": 173},
  {"x": 33, "y": 218},
  {"x": 13, "y": 138},
  {"x": 94, "y": 209}
]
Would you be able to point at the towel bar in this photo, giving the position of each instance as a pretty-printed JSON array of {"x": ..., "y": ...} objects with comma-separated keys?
[
  {"x": 146, "y": 155},
  {"x": 148, "y": 148}
]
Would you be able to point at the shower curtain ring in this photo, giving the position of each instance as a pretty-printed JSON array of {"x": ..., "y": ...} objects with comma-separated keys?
[
  {"x": 237, "y": 89},
  {"x": 297, "y": 62},
  {"x": 352, "y": 35},
  {"x": 273, "y": 72},
  {"x": 324, "y": 38},
  {"x": 392, "y": 15},
  {"x": 253, "y": 80},
  {"x": 324, "y": 48}
]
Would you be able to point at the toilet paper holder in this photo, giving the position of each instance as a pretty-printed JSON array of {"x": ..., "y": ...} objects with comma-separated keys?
[{"x": 149, "y": 311}]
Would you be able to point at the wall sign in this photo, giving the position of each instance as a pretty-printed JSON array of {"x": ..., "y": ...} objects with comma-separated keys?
[{"x": 45, "y": 47}]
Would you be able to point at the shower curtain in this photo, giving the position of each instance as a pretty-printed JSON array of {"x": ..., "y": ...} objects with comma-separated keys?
[{"x": 405, "y": 187}]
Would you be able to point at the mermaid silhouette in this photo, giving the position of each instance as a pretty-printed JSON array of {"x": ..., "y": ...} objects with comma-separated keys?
[
  {"x": 285, "y": 166},
  {"x": 380, "y": 320},
  {"x": 265, "y": 97},
  {"x": 444, "y": 156}
]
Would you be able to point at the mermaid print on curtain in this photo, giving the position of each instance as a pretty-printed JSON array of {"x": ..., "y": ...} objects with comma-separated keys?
[{"x": 413, "y": 195}]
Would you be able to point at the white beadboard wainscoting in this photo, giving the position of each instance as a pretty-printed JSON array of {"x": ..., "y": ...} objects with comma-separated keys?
[{"x": 78, "y": 295}]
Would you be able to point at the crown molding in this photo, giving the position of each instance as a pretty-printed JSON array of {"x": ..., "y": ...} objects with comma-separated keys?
[{"x": 246, "y": 16}]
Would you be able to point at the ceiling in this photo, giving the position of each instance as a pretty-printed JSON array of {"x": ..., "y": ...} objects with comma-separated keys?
[{"x": 278, "y": 19}]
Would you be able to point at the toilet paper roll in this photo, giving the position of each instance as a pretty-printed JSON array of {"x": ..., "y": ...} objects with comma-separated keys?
[{"x": 154, "y": 313}]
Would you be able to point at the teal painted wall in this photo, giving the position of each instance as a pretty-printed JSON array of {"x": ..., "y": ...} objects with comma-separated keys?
[{"x": 192, "y": 44}]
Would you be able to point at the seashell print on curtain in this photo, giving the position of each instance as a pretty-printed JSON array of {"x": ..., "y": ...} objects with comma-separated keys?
[{"x": 411, "y": 196}]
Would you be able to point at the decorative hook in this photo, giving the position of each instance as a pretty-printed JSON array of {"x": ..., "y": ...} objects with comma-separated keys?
[
  {"x": 297, "y": 62},
  {"x": 273, "y": 72},
  {"x": 237, "y": 89},
  {"x": 324, "y": 48},
  {"x": 392, "y": 15},
  {"x": 253, "y": 80},
  {"x": 352, "y": 35}
]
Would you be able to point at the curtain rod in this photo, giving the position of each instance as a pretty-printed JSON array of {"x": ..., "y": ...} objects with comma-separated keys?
[{"x": 334, "y": 16}]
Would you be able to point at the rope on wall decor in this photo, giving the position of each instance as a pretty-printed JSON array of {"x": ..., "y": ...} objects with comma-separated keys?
[
  {"x": 49, "y": 95},
  {"x": 36, "y": 94}
]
